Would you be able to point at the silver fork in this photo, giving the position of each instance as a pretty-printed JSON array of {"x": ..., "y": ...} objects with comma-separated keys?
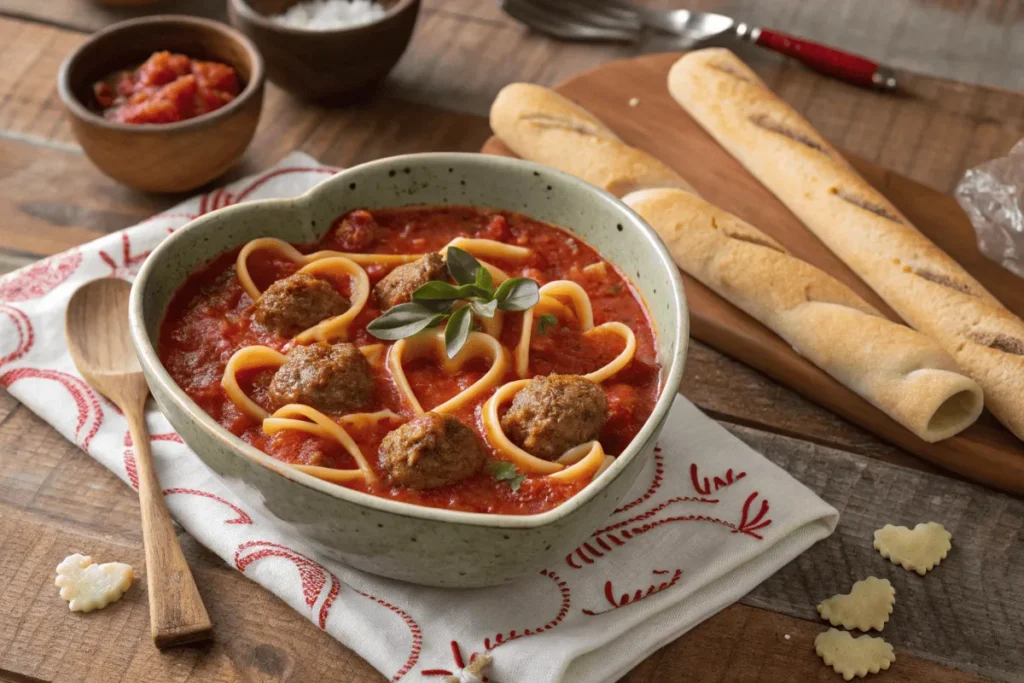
[
  {"x": 617, "y": 20},
  {"x": 573, "y": 25}
]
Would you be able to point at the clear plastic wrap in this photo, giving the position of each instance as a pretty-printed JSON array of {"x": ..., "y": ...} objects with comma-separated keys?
[{"x": 992, "y": 194}]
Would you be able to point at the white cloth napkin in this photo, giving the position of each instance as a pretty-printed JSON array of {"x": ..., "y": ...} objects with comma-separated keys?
[{"x": 707, "y": 520}]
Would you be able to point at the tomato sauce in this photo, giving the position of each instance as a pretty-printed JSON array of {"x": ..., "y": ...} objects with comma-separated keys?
[
  {"x": 210, "y": 318},
  {"x": 166, "y": 88}
]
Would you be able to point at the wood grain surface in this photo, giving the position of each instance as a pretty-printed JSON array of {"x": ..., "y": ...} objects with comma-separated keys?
[
  {"x": 985, "y": 452},
  {"x": 55, "y": 500}
]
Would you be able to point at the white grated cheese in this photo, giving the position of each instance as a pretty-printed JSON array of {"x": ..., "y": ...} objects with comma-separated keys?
[{"x": 328, "y": 15}]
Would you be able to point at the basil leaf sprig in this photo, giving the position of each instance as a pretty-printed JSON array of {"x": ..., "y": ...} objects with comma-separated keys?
[
  {"x": 545, "y": 322},
  {"x": 435, "y": 302},
  {"x": 507, "y": 472}
]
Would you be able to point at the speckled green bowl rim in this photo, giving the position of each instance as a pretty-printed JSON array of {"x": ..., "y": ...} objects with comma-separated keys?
[{"x": 672, "y": 367}]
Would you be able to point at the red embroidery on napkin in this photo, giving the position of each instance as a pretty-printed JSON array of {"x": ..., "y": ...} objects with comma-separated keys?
[
  {"x": 26, "y": 336},
  {"x": 563, "y": 587},
  {"x": 414, "y": 629},
  {"x": 217, "y": 199},
  {"x": 279, "y": 172},
  {"x": 758, "y": 522},
  {"x": 243, "y": 517},
  {"x": 90, "y": 414},
  {"x": 639, "y": 595},
  {"x": 460, "y": 663},
  {"x": 130, "y": 263},
  {"x": 131, "y": 468},
  {"x": 314, "y": 576},
  {"x": 655, "y": 510},
  {"x": 41, "y": 277},
  {"x": 719, "y": 483},
  {"x": 204, "y": 204},
  {"x": 611, "y": 537},
  {"x": 659, "y": 475}
]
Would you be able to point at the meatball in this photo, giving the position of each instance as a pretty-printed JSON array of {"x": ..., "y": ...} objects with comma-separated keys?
[
  {"x": 398, "y": 285},
  {"x": 298, "y": 302},
  {"x": 429, "y": 451},
  {"x": 552, "y": 414},
  {"x": 333, "y": 378},
  {"x": 356, "y": 231}
]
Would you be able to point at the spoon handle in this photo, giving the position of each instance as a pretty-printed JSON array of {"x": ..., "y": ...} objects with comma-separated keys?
[{"x": 176, "y": 611}]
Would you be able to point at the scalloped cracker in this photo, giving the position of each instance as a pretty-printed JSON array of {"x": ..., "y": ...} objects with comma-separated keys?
[
  {"x": 87, "y": 586},
  {"x": 849, "y": 656},
  {"x": 867, "y": 606},
  {"x": 918, "y": 550}
]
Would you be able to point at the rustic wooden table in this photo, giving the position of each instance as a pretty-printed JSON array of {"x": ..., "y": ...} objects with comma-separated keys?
[{"x": 964, "y": 622}]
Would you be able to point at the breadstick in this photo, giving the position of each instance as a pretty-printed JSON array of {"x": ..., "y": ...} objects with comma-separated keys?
[
  {"x": 901, "y": 372},
  {"x": 926, "y": 287},
  {"x": 540, "y": 125}
]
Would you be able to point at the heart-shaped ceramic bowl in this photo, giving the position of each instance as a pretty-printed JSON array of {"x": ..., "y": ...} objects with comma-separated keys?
[{"x": 419, "y": 544}]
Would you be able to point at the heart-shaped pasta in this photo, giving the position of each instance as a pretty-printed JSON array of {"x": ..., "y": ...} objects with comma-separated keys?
[
  {"x": 312, "y": 421},
  {"x": 336, "y": 328},
  {"x": 476, "y": 247},
  {"x": 257, "y": 357},
  {"x": 249, "y": 358},
  {"x": 480, "y": 248},
  {"x": 585, "y": 460},
  {"x": 580, "y": 302},
  {"x": 431, "y": 342},
  {"x": 320, "y": 263},
  {"x": 290, "y": 253},
  {"x": 350, "y": 264}
]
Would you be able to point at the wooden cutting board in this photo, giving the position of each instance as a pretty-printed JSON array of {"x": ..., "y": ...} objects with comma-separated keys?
[{"x": 986, "y": 452}]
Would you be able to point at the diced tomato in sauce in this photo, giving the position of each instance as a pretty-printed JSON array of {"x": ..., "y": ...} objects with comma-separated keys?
[
  {"x": 355, "y": 231},
  {"x": 166, "y": 88},
  {"x": 210, "y": 318}
]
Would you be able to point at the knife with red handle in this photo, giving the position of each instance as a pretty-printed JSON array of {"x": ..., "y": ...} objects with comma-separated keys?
[{"x": 827, "y": 60}]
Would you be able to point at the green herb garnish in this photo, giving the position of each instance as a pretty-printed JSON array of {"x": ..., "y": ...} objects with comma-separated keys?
[
  {"x": 545, "y": 322},
  {"x": 506, "y": 471},
  {"x": 434, "y": 303}
]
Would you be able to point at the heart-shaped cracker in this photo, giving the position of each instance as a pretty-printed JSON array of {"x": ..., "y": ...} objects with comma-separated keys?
[
  {"x": 918, "y": 550},
  {"x": 867, "y": 606},
  {"x": 87, "y": 586},
  {"x": 849, "y": 656}
]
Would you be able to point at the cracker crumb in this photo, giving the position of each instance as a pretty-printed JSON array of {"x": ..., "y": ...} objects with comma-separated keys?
[
  {"x": 634, "y": 101},
  {"x": 88, "y": 586}
]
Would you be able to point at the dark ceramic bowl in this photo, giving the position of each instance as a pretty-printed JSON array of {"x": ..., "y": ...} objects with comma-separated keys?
[{"x": 331, "y": 64}]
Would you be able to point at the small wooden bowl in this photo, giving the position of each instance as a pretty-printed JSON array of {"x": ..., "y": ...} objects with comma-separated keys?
[
  {"x": 332, "y": 64},
  {"x": 168, "y": 157}
]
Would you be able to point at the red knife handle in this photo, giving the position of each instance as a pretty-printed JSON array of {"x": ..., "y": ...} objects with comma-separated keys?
[{"x": 827, "y": 60}]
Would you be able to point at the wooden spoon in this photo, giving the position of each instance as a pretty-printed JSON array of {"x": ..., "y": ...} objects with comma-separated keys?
[{"x": 100, "y": 344}]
